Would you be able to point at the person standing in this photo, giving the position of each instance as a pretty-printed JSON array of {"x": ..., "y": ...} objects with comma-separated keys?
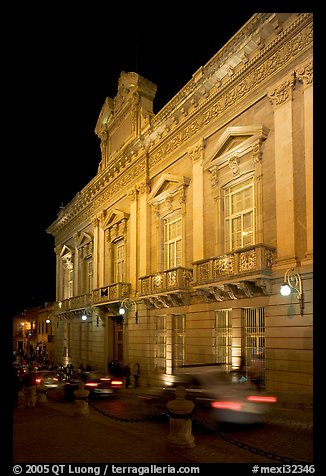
[
  {"x": 29, "y": 385},
  {"x": 136, "y": 372},
  {"x": 127, "y": 373}
]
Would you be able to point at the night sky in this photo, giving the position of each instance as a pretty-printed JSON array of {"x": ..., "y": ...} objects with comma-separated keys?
[{"x": 65, "y": 63}]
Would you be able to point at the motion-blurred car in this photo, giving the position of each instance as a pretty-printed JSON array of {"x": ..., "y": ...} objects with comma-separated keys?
[
  {"x": 223, "y": 395},
  {"x": 98, "y": 383},
  {"x": 47, "y": 378}
]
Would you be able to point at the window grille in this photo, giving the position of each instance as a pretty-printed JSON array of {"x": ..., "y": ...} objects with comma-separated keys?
[
  {"x": 223, "y": 338},
  {"x": 254, "y": 338},
  {"x": 161, "y": 343},
  {"x": 179, "y": 332}
]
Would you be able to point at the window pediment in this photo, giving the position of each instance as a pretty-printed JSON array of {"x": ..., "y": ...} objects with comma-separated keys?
[
  {"x": 115, "y": 217},
  {"x": 84, "y": 239},
  {"x": 167, "y": 186},
  {"x": 235, "y": 142}
]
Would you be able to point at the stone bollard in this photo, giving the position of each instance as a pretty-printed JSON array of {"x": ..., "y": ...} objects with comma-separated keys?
[
  {"x": 180, "y": 409},
  {"x": 81, "y": 403},
  {"x": 41, "y": 395}
]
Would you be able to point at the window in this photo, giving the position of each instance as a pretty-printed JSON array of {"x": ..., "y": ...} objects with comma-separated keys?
[
  {"x": 254, "y": 337},
  {"x": 88, "y": 275},
  {"x": 172, "y": 243},
  {"x": 223, "y": 338},
  {"x": 179, "y": 341},
  {"x": 239, "y": 215},
  {"x": 161, "y": 343},
  {"x": 119, "y": 261}
]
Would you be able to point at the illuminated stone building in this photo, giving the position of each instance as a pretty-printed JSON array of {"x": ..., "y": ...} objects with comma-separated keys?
[
  {"x": 196, "y": 215},
  {"x": 33, "y": 335}
]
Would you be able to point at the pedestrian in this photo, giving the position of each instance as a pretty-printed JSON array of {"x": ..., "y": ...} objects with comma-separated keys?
[
  {"x": 136, "y": 372},
  {"x": 16, "y": 386},
  {"x": 29, "y": 385},
  {"x": 256, "y": 371},
  {"x": 127, "y": 373}
]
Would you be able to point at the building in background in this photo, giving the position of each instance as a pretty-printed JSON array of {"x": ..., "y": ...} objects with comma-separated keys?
[
  {"x": 196, "y": 216},
  {"x": 34, "y": 336}
]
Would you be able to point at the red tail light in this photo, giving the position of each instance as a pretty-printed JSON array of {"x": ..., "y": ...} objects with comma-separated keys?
[
  {"x": 38, "y": 380},
  {"x": 105, "y": 379},
  {"x": 262, "y": 398},
  {"x": 116, "y": 383},
  {"x": 227, "y": 405},
  {"x": 91, "y": 384}
]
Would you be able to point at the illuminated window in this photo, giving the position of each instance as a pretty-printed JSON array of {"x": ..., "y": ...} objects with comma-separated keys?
[
  {"x": 88, "y": 263},
  {"x": 223, "y": 338},
  {"x": 239, "y": 215},
  {"x": 179, "y": 332},
  {"x": 172, "y": 243},
  {"x": 254, "y": 337},
  {"x": 119, "y": 261},
  {"x": 161, "y": 343}
]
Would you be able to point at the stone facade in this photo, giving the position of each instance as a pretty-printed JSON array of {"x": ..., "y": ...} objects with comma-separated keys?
[{"x": 194, "y": 217}]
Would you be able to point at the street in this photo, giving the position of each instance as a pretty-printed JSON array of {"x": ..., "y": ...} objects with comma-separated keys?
[{"x": 122, "y": 430}]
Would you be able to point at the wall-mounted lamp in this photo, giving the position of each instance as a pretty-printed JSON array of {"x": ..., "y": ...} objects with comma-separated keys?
[
  {"x": 126, "y": 305},
  {"x": 292, "y": 280},
  {"x": 47, "y": 321}
]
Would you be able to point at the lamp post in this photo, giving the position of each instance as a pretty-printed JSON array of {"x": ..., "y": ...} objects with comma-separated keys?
[
  {"x": 292, "y": 280},
  {"x": 125, "y": 306}
]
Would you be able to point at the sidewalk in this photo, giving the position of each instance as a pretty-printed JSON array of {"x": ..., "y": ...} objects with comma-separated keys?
[{"x": 52, "y": 433}]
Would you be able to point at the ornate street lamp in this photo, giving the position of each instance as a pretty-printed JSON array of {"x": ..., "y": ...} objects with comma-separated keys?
[
  {"x": 125, "y": 306},
  {"x": 292, "y": 280}
]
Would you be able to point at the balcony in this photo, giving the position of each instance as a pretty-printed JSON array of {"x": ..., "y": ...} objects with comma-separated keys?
[
  {"x": 242, "y": 273},
  {"x": 68, "y": 308},
  {"x": 168, "y": 288},
  {"x": 112, "y": 293}
]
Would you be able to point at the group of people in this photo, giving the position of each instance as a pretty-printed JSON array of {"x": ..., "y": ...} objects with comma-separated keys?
[
  {"x": 116, "y": 369},
  {"x": 26, "y": 384}
]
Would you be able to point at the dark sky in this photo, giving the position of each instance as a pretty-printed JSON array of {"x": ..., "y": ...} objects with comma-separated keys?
[{"x": 65, "y": 62}]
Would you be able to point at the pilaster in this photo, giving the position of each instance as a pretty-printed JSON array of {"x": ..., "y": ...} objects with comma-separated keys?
[
  {"x": 281, "y": 99},
  {"x": 196, "y": 154}
]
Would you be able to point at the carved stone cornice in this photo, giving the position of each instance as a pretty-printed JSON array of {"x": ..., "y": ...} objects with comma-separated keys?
[{"x": 253, "y": 74}]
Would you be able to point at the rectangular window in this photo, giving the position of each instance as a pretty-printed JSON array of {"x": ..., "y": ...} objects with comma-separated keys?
[
  {"x": 254, "y": 338},
  {"x": 223, "y": 338},
  {"x": 172, "y": 243},
  {"x": 179, "y": 333},
  {"x": 69, "y": 283},
  {"x": 239, "y": 215},
  {"x": 88, "y": 275},
  {"x": 161, "y": 343},
  {"x": 119, "y": 261}
]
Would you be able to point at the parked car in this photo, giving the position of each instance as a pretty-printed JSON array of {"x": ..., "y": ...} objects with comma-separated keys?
[
  {"x": 47, "y": 378},
  {"x": 98, "y": 383},
  {"x": 223, "y": 395}
]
